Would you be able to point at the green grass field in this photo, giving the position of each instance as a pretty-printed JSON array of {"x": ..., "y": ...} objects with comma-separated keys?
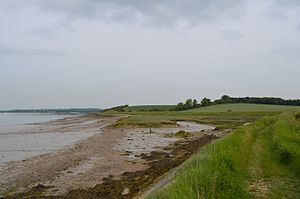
[
  {"x": 261, "y": 160},
  {"x": 257, "y": 160},
  {"x": 245, "y": 108},
  {"x": 217, "y": 115}
]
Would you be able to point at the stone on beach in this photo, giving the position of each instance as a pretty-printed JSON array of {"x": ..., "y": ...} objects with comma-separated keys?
[{"x": 126, "y": 191}]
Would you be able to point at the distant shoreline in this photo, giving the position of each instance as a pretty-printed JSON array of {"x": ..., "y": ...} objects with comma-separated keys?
[{"x": 55, "y": 111}]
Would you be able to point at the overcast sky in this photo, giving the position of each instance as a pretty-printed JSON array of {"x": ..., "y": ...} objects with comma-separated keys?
[{"x": 101, "y": 53}]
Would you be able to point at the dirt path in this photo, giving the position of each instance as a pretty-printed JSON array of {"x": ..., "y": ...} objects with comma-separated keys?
[
  {"x": 104, "y": 158},
  {"x": 258, "y": 187},
  {"x": 267, "y": 179}
]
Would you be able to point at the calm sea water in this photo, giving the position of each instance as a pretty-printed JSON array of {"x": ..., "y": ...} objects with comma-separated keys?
[
  {"x": 25, "y": 118},
  {"x": 20, "y": 138}
]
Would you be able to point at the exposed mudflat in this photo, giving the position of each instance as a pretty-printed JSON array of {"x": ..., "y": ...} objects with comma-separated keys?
[
  {"x": 110, "y": 162},
  {"x": 19, "y": 142}
]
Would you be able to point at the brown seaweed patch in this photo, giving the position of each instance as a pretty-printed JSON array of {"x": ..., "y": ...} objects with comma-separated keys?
[{"x": 131, "y": 183}]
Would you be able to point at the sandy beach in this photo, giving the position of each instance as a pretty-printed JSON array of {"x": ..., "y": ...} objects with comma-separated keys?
[{"x": 107, "y": 153}]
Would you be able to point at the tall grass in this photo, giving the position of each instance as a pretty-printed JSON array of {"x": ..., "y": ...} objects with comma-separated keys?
[{"x": 263, "y": 151}]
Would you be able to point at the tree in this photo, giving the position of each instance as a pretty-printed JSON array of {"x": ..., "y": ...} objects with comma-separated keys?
[
  {"x": 195, "y": 103},
  {"x": 225, "y": 98},
  {"x": 180, "y": 106},
  {"x": 205, "y": 102},
  {"x": 189, "y": 104}
]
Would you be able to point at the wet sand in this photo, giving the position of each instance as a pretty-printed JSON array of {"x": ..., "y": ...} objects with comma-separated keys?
[
  {"x": 19, "y": 142},
  {"x": 107, "y": 154}
]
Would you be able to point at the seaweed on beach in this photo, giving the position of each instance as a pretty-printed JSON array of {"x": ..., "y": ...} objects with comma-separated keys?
[
  {"x": 129, "y": 184},
  {"x": 134, "y": 182}
]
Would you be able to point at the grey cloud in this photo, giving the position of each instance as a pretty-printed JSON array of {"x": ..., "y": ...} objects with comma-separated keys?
[
  {"x": 49, "y": 31},
  {"x": 231, "y": 34},
  {"x": 108, "y": 63},
  {"x": 157, "y": 12},
  {"x": 290, "y": 3},
  {"x": 288, "y": 49},
  {"x": 8, "y": 50},
  {"x": 281, "y": 9}
]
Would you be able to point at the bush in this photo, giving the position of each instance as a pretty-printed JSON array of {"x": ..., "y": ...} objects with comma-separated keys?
[
  {"x": 297, "y": 116},
  {"x": 285, "y": 156}
]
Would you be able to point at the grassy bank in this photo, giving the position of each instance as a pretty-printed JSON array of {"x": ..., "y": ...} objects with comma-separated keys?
[
  {"x": 245, "y": 108},
  {"x": 261, "y": 160},
  {"x": 222, "y": 116},
  {"x": 160, "y": 119}
]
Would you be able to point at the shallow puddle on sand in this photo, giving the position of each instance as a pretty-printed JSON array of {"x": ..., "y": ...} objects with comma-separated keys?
[{"x": 144, "y": 140}]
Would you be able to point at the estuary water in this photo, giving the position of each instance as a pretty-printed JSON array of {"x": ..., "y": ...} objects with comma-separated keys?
[
  {"x": 23, "y": 135},
  {"x": 10, "y": 119}
]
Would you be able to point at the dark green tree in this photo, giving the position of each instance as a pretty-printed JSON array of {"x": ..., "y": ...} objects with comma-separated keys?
[
  {"x": 205, "y": 102},
  {"x": 189, "y": 104},
  {"x": 195, "y": 103},
  {"x": 225, "y": 98},
  {"x": 180, "y": 106}
]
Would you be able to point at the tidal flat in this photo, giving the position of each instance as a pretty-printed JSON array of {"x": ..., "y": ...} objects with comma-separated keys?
[
  {"x": 97, "y": 151},
  {"x": 26, "y": 135}
]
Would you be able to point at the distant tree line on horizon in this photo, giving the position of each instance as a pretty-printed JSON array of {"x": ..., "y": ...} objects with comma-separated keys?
[
  {"x": 191, "y": 104},
  {"x": 225, "y": 99}
]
